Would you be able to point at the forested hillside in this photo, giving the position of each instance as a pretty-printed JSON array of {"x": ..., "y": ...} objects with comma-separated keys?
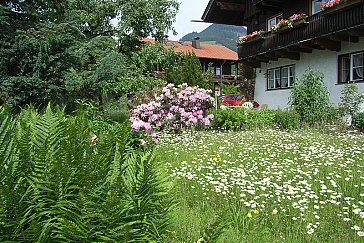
[{"x": 225, "y": 35}]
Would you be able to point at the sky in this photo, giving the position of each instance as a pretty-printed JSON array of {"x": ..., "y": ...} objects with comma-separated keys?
[{"x": 189, "y": 10}]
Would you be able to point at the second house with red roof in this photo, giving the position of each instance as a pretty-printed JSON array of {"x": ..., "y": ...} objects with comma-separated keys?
[{"x": 223, "y": 60}]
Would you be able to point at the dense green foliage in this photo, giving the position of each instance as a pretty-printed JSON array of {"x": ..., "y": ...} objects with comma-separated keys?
[
  {"x": 189, "y": 71},
  {"x": 230, "y": 89},
  {"x": 288, "y": 120},
  {"x": 63, "y": 50},
  {"x": 226, "y": 35},
  {"x": 310, "y": 98},
  {"x": 177, "y": 68},
  {"x": 61, "y": 183},
  {"x": 358, "y": 120},
  {"x": 240, "y": 118},
  {"x": 351, "y": 99}
]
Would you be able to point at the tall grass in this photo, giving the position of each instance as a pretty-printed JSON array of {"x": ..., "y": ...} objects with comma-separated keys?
[
  {"x": 56, "y": 185},
  {"x": 267, "y": 186}
]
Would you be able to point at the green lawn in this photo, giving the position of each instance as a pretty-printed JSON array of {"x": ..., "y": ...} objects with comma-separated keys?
[{"x": 266, "y": 186}]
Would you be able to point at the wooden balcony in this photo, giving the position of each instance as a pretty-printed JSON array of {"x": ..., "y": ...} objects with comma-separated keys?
[{"x": 320, "y": 32}]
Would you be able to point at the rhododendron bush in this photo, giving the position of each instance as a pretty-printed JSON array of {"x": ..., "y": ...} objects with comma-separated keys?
[{"x": 174, "y": 108}]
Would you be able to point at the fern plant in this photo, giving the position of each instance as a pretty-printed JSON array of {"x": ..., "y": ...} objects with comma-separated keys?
[{"x": 57, "y": 185}]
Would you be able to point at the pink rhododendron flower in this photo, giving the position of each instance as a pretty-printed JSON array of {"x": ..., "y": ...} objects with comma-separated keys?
[{"x": 175, "y": 108}]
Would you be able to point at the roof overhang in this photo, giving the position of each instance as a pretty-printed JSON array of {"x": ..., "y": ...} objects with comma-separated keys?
[{"x": 225, "y": 12}]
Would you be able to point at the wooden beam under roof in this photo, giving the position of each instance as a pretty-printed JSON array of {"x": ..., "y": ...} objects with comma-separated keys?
[
  {"x": 262, "y": 58},
  {"x": 252, "y": 63},
  {"x": 357, "y": 32},
  {"x": 271, "y": 56},
  {"x": 311, "y": 45},
  {"x": 236, "y": 7},
  {"x": 269, "y": 4},
  {"x": 331, "y": 45},
  {"x": 289, "y": 55},
  {"x": 345, "y": 37},
  {"x": 299, "y": 49}
]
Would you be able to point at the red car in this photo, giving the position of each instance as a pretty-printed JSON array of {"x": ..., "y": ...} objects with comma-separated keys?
[{"x": 234, "y": 99}]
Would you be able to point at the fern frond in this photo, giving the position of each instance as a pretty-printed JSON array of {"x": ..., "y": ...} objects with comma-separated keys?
[
  {"x": 8, "y": 165},
  {"x": 6, "y": 141},
  {"x": 59, "y": 187}
]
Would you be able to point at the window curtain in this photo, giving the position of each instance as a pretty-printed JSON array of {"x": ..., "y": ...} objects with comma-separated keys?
[{"x": 358, "y": 65}]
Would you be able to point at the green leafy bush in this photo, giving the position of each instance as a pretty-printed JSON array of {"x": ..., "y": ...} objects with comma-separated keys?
[
  {"x": 229, "y": 119},
  {"x": 240, "y": 118},
  {"x": 332, "y": 115},
  {"x": 287, "y": 119},
  {"x": 229, "y": 89},
  {"x": 67, "y": 179},
  {"x": 310, "y": 98},
  {"x": 118, "y": 116},
  {"x": 358, "y": 120},
  {"x": 351, "y": 99}
]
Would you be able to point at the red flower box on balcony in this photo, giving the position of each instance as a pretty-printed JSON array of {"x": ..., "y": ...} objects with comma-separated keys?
[{"x": 340, "y": 7}]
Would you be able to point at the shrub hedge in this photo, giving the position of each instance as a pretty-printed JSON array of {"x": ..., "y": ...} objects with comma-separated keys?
[
  {"x": 240, "y": 118},
  {"x": 287, "y": 120},
  {"x": 358, "y": 120}
]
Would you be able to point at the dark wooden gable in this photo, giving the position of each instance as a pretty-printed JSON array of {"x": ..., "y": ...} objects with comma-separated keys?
[
  {"x": 251, "y": 13},
  {"x": 225, "y": 12},
  {"x": 259, "y": 11}
]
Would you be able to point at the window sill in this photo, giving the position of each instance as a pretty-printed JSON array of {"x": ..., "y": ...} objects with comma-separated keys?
[
  {"x": 351, "y": 82},
  {"x": 278, "y": 89}
]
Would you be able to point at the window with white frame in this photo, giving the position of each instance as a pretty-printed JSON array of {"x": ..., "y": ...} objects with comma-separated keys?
[
  {"x": 280, "y": 78},
  {"x": 351, "y": 67},
  {"x": 233, "y": 69},
  {"x": 273, "y": 21},
  {"x": 356, "y": 61},
  {"x": 316, "y": 5},
  {"x": 217, "y": 71}
]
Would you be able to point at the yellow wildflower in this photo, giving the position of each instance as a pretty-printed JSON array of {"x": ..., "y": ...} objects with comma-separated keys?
[
  {"x": 184, "y": 162},
  {"x": 215, "y": 159},
  {"x": 256, "y": 211},
  {"x": 250, "y": 215}
]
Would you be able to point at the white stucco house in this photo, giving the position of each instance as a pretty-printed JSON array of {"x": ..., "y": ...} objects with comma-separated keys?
[
  {"x": 322, "y": 60},
  {"x": 328, "y": 39}
]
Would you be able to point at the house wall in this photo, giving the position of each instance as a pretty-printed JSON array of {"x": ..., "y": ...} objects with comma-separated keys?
[{"x": 323, "y": 60}]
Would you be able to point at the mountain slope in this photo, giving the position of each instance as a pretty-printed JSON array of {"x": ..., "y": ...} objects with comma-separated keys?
[{"x": 225, "y": 35}]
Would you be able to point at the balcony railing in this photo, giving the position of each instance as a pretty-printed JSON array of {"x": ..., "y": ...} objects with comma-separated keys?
[{"x": 321, "y": 32}]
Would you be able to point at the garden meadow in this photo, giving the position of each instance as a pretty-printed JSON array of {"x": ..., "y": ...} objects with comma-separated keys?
[
  {"x": 268, "y": 185},
  {"x": 176, "y": 169},
  {"x": 96, "y": 146}
]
